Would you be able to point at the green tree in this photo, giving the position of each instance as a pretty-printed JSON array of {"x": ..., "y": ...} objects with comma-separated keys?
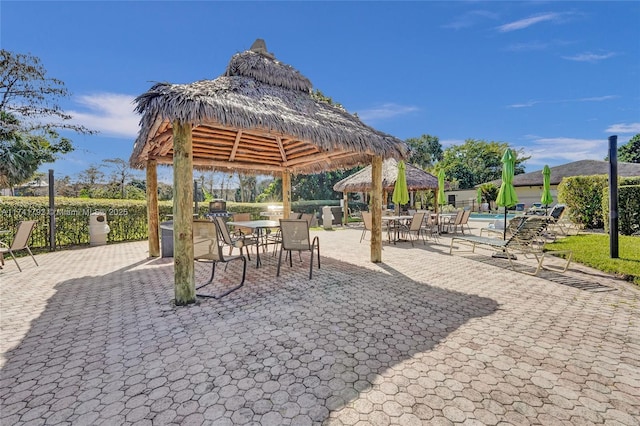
[
  {"x": 477, "y": 161},
  {"x": 121, "y": 173},
  {"x": 630, "y": 152},
  {"x": 30, "y": 117},
  {"x": 489, "y": 192},
  {"x": 425, "y": 151},
  {"x": 22, "y": 153}
]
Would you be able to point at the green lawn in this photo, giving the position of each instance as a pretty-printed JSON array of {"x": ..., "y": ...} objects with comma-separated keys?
[{"x": 593, "y": 250}]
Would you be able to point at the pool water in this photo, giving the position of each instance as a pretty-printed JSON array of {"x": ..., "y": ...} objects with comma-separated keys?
[{"x": 491, "y": 216}]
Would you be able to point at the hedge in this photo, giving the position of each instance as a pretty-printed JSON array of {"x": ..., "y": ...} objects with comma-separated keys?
[
  {"x": 628, "y": 209},
  {"x": 127, "y": 219},
  {"x": 588, "y": 201}
]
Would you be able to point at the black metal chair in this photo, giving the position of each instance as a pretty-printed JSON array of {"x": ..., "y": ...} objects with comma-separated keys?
[{"x": 207, "y": 247}]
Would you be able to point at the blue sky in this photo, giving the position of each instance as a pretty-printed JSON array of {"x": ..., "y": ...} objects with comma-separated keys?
[{"x": 555, "y": 78}]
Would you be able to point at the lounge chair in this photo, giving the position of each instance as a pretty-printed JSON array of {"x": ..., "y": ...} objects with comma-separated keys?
[
  {"x": 512, "y": 226},
  {"x": 527, "y": 239},
  {"x": 295, "y": 237},
  {"x": 207, "y": 247},
  {"x": 20, "y": 242}
]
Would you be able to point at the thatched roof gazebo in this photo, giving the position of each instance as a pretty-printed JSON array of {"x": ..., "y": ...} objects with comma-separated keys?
[
  {"x": 259, "y": 117},
  {"x": 360, "y": 181}
]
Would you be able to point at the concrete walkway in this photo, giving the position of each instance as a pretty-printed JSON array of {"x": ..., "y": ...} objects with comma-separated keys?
[{"x": 91, "y": 337}]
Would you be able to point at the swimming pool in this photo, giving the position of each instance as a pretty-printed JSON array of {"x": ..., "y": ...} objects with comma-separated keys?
[{"x": 490, "y": 217}]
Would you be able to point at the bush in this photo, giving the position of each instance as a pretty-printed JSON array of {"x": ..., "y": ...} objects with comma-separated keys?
[
  {"x": 583, "y": 197},
  {"x": 628, "y": 208}
]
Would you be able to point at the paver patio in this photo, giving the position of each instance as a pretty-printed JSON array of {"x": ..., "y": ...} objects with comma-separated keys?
[{"x": 91, "y": 337}]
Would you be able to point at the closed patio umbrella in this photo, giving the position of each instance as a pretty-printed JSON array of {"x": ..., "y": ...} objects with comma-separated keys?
[
  {"x": 546, "y": 198},
  {"x": 507, "y": 196},
  {"x": 400, "y": 191},
  {"x": 479, "y": 199},
  {"x": 441, "y": 200}
]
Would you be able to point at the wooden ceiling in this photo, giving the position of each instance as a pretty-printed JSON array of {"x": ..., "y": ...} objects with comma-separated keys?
[{"x": 252, "y": 151}]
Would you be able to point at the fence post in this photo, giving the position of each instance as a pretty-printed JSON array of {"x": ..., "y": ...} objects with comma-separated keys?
[
  {"x": 52, "y": 213},
  {"x": 613, "y": 197}
]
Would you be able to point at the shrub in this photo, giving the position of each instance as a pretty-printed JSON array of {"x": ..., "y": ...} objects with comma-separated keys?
[
  {"x": 628, "y": 209},
  {"x": 583, "y": 197}
]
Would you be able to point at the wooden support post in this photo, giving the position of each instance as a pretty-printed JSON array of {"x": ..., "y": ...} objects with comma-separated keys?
[
  {"x": 152, "y": 208},
  {"x": 376, "y": 209},
  {"x": 345, "y": 215},
  {"x": 286, "y": 193},
  {"x": 184, "y": 278}
]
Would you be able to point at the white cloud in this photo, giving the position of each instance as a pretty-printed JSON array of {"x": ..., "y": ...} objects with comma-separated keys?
[
  {"x": 525, "y": 47},
  {"x": 527, "y": 22},
  {"x": 470, "y": 19},
  {"x": 559, "y": 150},
  {"x": 108, "y": 113},
  {"x": 625, "y": 128},
  {"x": 385, "y": 111},
  {"x": 590, "y": 57},
  {"x": 524, "y": 104},
  {"x": 561, "y": 101}
]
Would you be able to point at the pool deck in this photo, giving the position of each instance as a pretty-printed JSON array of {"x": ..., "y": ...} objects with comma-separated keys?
[{"x": 91, "y": 337}]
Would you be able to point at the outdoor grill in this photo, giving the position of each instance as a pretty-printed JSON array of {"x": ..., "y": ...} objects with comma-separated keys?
[{"x": 217, "y": 208}]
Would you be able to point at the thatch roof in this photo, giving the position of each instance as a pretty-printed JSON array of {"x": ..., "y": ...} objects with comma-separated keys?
[
  {"x": 577, "y": 168},
  {"x": 258, "y": 117},
  {"x": 360, "y": 181}
]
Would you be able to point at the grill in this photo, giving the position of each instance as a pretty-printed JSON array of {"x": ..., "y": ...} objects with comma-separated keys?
[{"x": 218, "y": 208}]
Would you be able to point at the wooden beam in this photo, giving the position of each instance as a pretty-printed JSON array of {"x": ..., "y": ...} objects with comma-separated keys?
[
  {"x": 152, "y": 208},
  {"x": 184, "y": 278},
  {"x": 235, "y": 146},
  {"x": 286, "y": 193},
  {"x": 283, "y": 154},
  {"x": 376, "y": 209}
]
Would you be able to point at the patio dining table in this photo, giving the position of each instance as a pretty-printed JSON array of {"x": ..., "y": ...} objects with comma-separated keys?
[
  {"x": 444, "y": 220},
  {"x": 395, "y": 222},
  {"x": 261, "y": 229}
]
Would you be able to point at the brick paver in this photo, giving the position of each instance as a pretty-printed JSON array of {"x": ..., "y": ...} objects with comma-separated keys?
[{"x": 91, "y": 337}]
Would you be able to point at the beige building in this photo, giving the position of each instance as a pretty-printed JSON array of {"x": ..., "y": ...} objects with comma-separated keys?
[{"x": 529, "y": 185}]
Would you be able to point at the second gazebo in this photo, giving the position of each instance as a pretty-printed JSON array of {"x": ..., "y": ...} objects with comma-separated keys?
[{"x": 417, "y": 179}]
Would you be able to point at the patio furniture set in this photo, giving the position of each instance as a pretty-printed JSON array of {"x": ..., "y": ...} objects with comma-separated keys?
[{"x": 210, "y": 237}]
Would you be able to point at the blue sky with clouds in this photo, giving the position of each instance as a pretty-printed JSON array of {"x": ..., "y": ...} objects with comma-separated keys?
[{"x": 554, "y": 78}]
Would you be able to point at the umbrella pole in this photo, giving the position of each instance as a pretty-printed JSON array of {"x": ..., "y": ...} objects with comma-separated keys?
[{"x": 503, "y": 254}]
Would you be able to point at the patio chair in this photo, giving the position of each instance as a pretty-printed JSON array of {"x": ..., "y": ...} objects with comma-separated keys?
[
  {"x": 20, "y": 242},
  {"x": 366, "y": 220},
  {"x": 295, "y": 237},
  {"x": 430, "y": 225},
  {"x": 527, "y": 239},
  {"x": 453, "y": 225},
  {"x": 208, "y": 248},
  {"x": 415, "y": 227},
  {"x": 465, "y": 221},
  {"x": 239, "y": 241}
]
